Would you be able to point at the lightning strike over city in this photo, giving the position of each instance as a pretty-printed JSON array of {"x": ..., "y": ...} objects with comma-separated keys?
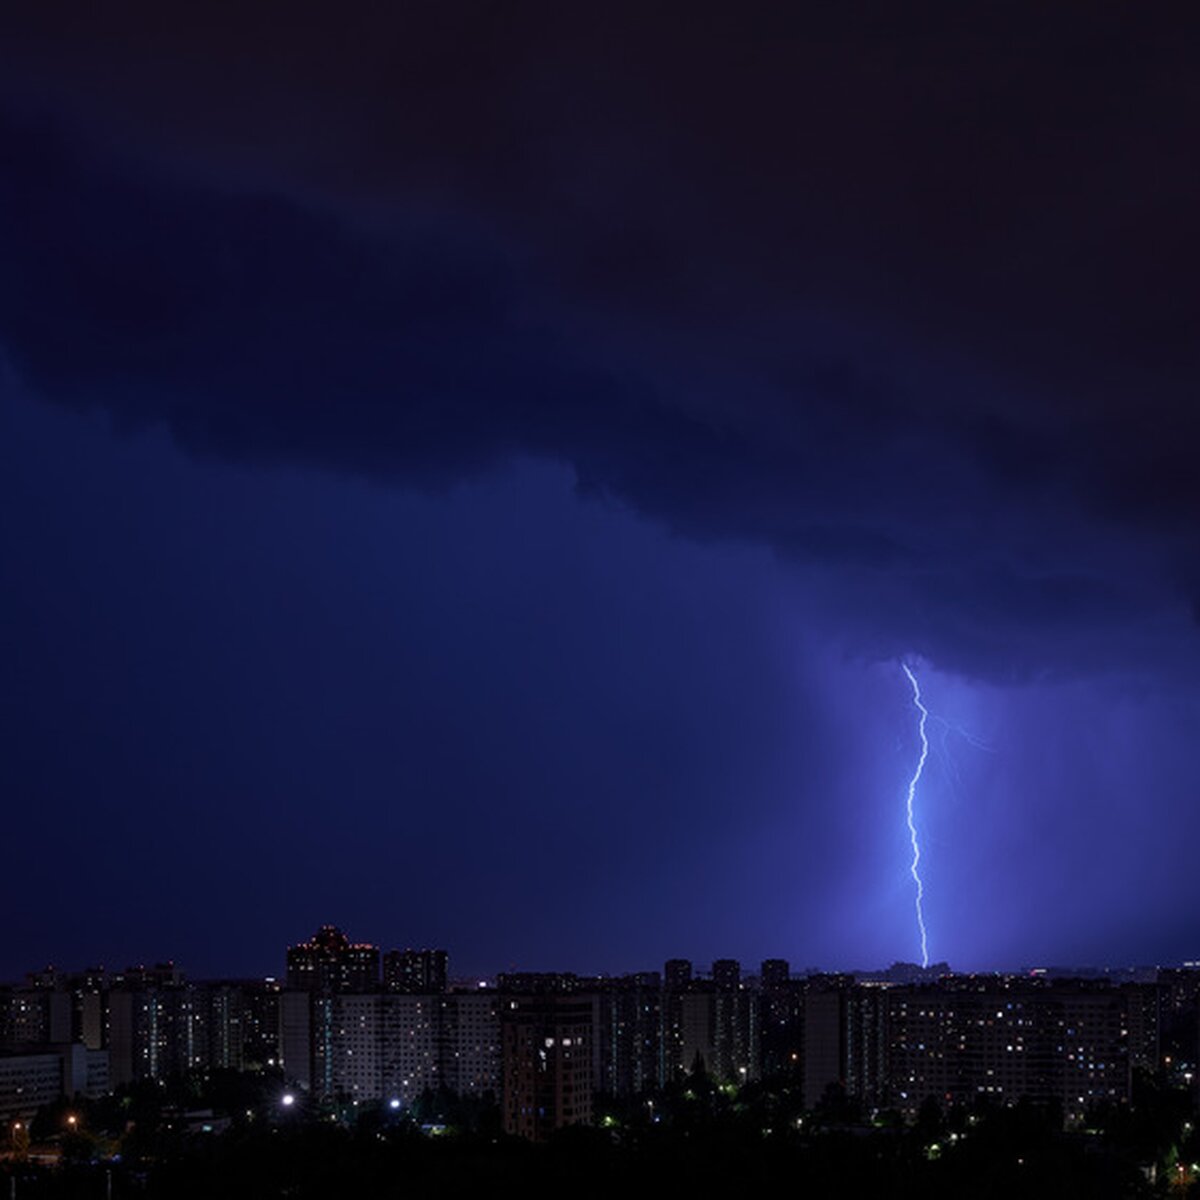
[
  {"x": 468, "y": 478},
  {"x": 909, "y": 805}
]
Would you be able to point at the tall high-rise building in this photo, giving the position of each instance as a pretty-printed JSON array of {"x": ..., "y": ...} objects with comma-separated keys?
[
  {"x": 360, "y": 1044},
  {"x": 471, "y": 1063},
  {"x": 865, "y": 1043},
  {"x": 719, "y": 1029},
  {"x": 330, "y": 963},
  {"x": 548, "y": 1046},
  {"x": 1067, "y": 1041},
  {"x": 260, "y": 1024},
  {"x": 677, "y": 979},
  {"x": 726, "y": 973},
  {"x": 823, "y": 1051},
  {"x": 677, "y": 973},
  {"x": 147, "y": 1031},
  {"x": 1179, "y": 1021},
  {"x": 775, "y": 972},
  {"x": 781, "y": 1009},
  {"x": 411, "y": 1045},
  {"x": 629, "y": 1033},
  {"x": 297, "y": 1029},
  {"x": 416, "y": 972}
]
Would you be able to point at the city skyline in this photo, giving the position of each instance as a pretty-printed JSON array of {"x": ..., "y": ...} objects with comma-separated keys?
[
  {"x": 499, "y": 475},
  {"x": 414, "y": 956},
  {"x": 351, "y": 1033}
]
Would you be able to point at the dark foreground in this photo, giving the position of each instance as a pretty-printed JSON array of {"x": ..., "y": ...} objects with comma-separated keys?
[{"x": 700, "y": 1140}]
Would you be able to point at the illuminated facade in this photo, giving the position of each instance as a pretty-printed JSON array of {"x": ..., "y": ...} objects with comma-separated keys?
[
  {"x": 39, "y": 1077},
  {"x": 471, "y": 1064},
  {"x": 549, "y": 1054},
  {"x": 1066, "y": 1042},
  {"x": 330, "y": 962},
  {"x": 418, "y": 972}
]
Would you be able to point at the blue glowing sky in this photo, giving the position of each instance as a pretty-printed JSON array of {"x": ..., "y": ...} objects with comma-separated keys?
[{"x": 477, "y": 483}]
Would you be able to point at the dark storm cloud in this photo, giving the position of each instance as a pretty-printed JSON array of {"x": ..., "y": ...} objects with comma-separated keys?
[{"x": 907, "y": 297}]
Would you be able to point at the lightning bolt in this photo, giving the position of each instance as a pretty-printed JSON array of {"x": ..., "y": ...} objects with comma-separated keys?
[
  {"x": 947, "y": 759},
  {"x": 912, "y": 826}
]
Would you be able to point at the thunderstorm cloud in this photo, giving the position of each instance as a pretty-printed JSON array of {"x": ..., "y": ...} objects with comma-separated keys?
[{"x": 908, "y": 298}]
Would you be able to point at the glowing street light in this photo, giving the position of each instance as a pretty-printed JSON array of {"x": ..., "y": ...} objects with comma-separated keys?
[{"x": 287, "y": 1099}]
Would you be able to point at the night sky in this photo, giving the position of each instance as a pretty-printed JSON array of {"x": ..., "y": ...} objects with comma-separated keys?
[{"x": 472, "y": 473}]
